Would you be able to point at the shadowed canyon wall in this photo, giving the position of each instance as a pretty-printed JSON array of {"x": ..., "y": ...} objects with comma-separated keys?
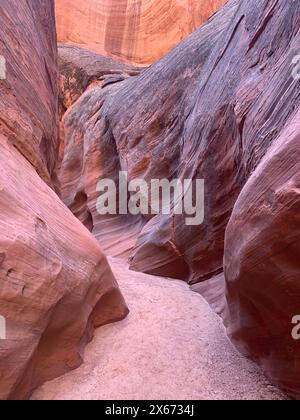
[
  {"x": 55, "y": 284},
  {"x": 134, "y": 31}
]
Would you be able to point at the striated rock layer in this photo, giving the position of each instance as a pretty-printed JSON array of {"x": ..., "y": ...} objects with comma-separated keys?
[
  {"x": 138, "y": 123},
  {"x": 80, "y": 68},
  {"x": 84, "y": 160},
  {"x": 222, "y": 106},
  {"x": 262, "y": 264},
  {"x": 55, "y": 284},
  {"x": 28, "y": 106},
  {"x": 134, "y": 31}
]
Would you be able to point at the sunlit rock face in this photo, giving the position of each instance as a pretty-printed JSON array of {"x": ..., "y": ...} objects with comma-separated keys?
[
  {"x": 55, "y": 283},
  {"x": 135, "y": 31}
]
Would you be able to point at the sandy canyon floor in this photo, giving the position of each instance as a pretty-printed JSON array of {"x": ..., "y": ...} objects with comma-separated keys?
[{"x": 171, "y": 346}]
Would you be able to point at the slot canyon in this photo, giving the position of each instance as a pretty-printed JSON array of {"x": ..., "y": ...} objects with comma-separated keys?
[{"x": 133, "y": 305}]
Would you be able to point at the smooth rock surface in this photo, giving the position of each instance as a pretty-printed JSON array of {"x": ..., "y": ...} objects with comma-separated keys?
[
  {"x": 84, "y": 160},
  {"x": 135, "y": 31},
  {"x": 250, "y": 95},
  {"x": 214, "y": 292},
  {"x": 262, "y": 263},
  {"x": 137, "y": 126},
  {"x": 156, "y": 125},
  {"x": 56, "y": 286}
]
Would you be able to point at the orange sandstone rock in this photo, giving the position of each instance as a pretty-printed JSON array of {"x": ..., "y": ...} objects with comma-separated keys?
[
  {"x": 134, "y": 31},
  {"x": 55, "y": 284}
]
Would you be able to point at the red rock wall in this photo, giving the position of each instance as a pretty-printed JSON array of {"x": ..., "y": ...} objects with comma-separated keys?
[
  {"x": 138, "y": 32},
  {"x": 139, "y": 123},
  {"x": 262, "y": 265},
  {"x": 28, "y": 106},
  {"x": 56, "y": 286}
]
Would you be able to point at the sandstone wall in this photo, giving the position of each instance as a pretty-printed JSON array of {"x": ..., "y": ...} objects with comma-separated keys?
[
  {"x": 55, "y": 284},
  {"x": 138, "y": 32}
]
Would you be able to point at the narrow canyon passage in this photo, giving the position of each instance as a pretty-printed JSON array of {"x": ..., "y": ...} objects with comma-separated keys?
[
  {"x": 171, "y": 346},
  {"x": 169, "y": 141}
]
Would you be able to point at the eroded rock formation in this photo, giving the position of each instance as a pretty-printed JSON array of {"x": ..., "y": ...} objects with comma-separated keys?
[
  {"x": 222, "y": 106},
  {"x": 80, "y": 68},
  {"x": 135, "y": 31},
  {"x": 138, "y": 123},
  {"x": 55, "y": 284},
  {"x": 262, "y": 263}
]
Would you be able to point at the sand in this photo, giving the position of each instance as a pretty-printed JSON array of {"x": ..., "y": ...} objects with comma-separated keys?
[{"x": 171, "y": 346}]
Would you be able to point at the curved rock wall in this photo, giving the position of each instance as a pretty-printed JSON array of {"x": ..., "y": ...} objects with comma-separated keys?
[
  {"x": 262, "y": 251},
  {"x": 28, "y": 106},
  {"x": 134, "y": 31},
  {"x": 56, "y": 286}
]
